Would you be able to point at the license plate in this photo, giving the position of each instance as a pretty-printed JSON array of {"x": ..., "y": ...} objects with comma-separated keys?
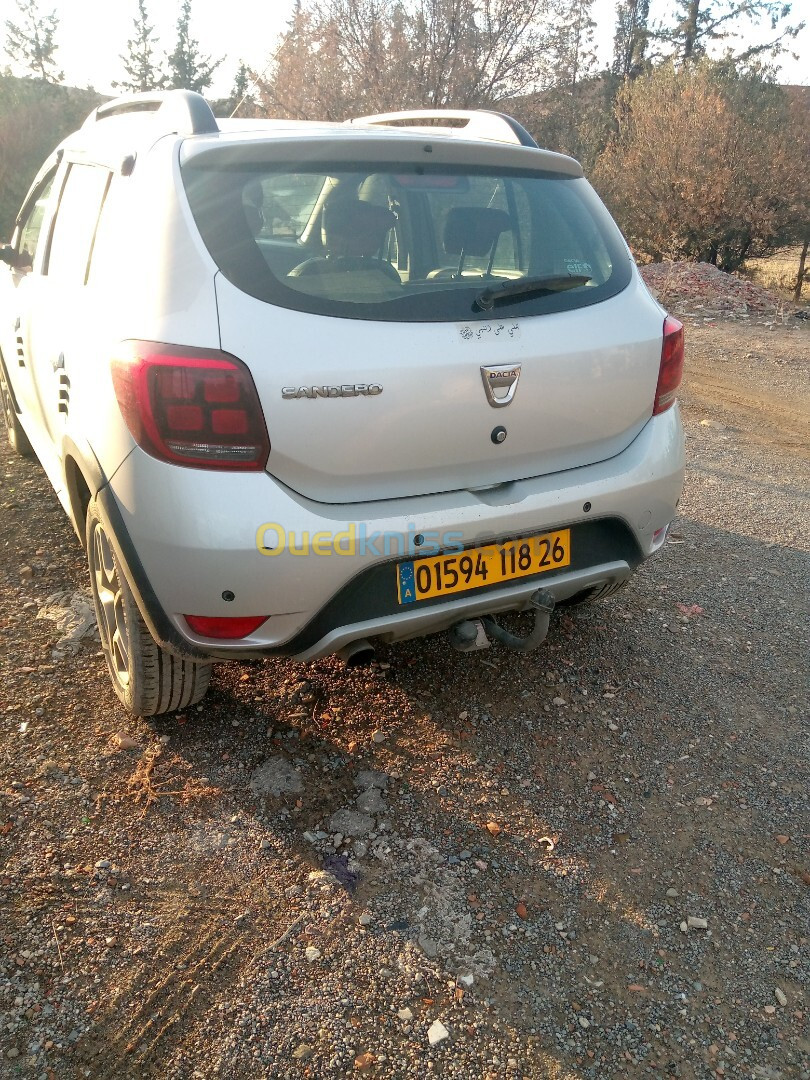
[{"x": 443, "y": 575}]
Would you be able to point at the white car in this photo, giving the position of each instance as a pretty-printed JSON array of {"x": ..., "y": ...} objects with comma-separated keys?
[{"x": 302, "y": 388}]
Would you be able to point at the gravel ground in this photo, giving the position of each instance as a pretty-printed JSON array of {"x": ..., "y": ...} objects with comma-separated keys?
[
  {"x": 701, "y": 292},
  {"x": 591, "y": 862}
]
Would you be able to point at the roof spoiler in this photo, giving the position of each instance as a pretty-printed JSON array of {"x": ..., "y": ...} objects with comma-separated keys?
[
  {"x": 180, "y": 111},
  {"x": 465, "y": 123}
]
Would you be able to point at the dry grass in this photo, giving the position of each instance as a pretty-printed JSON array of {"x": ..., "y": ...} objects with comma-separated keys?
[
  {"x": 157, "y": 777},
  {"x": 777, "y": 273}
]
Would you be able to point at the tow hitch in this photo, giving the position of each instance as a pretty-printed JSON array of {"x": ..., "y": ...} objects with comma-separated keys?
[
  {"x": 469, "y": 636},
  {"x": 472, "y": 634}
]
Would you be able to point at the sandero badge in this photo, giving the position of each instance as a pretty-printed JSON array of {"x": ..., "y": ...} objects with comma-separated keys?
[{"x": 344, "y": 390}]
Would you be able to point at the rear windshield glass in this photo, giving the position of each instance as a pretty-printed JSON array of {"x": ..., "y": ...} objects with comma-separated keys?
[{"x": 407, "y": 243}]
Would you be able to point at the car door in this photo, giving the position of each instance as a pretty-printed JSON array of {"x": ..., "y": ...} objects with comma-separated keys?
[
  {"x": 20, "y": 285},
  {"x": 59, "y": 313}
]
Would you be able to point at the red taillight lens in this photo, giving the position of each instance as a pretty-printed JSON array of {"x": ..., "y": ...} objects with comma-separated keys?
[
  {"x": 671, "y": 370},
  {"x": 196, "y": 407},
  {"x": 239, "y": 626}
]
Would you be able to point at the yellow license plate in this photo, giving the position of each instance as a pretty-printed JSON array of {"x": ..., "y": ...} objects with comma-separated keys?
[{"x": 443, "y": 575}]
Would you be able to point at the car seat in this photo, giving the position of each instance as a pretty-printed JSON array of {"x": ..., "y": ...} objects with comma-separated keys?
[
  {"x": 353, "y": 234},
  {"x": 471, "y": 231}
]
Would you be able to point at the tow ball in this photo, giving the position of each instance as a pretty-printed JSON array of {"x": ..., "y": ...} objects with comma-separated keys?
[{"x": 473, "y": 634}]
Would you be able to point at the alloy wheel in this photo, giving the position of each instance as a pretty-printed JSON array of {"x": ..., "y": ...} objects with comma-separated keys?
[
  {"x": 9, "y": 415},
  {"x": 112, "y": 624}
]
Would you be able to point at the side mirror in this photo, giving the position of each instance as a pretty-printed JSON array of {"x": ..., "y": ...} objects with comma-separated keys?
[{"x": 18, "y": 260}]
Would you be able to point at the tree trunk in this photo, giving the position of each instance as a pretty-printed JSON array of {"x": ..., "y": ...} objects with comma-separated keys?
[
  {"x": 797, "y": 292},
  {"x": 690, "y": 29}
]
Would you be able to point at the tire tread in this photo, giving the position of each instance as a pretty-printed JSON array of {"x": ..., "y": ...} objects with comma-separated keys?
[
  {"x": 159, "y": 680},
  {"x": 17, "y": 438}
]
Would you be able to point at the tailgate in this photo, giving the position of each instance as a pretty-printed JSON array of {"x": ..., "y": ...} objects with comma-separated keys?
[{"x": 361, "y": 410}]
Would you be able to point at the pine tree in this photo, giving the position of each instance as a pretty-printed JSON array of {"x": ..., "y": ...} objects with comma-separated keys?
[
  {"x": 241, "y": 101},
  {"x": 31, "y": 41},
  {"x": 288, "y": 94},
  {"x": 573, "y": 57},
  {"x": 702, "y": 23},
  {"x": 573, "y": 113},
  {"x": 631, "y": 38},
  {"x": 188, "y": 68},
  {"x": 139, "y": 59}
]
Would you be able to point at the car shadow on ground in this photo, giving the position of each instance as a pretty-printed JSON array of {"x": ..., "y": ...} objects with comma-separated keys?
[{"x": 538, "y": 813}]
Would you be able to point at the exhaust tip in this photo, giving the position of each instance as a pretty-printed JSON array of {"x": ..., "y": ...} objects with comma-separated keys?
[{"x": 358, "y": 654}]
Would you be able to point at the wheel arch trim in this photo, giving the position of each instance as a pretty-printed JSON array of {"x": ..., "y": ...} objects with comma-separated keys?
[
  {"x": 157, "y": 621},
  {"x": 9, "y": 384},
  {"x": 80, "y": 466}
]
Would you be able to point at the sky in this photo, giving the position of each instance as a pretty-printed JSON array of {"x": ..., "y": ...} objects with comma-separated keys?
[{"x": 93, "y": 33}]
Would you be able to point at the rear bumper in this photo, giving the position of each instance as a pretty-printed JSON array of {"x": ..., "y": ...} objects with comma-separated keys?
[
  {"x": 403, "y": 624},
  {"x": 188, "y": 538}
]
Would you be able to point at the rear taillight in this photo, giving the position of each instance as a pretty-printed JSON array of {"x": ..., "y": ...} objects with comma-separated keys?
[
  {"x": 196, "y": 407},
  {"x": 671, "y": 370},
  {"x": 238, "y": 626}
]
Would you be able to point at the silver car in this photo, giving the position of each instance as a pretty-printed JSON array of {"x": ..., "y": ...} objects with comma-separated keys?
[{"x": 302, "y": 388}]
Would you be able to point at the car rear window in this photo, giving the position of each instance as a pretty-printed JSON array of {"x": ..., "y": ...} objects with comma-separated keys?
[{"x": 409, "y": 243}]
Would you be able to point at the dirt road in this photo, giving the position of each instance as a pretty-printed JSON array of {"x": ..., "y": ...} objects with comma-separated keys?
[
  {"x": 757, "y": 384},
  {"x": 591, "y": 862}
]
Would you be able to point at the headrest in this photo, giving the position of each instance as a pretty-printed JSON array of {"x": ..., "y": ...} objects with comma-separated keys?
[
  {"x": 473, "y": 229},
  {"x": 355, "y": 228}
]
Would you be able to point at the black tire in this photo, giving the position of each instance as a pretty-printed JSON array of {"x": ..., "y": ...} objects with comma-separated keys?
[
  {"x": 17, "y": 438},
  {"x": 147, "y": 678}
]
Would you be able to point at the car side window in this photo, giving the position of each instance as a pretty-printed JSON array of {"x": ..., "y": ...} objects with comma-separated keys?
[
  {"x": 279, "y": 207},
  {"x": 31, "y": 226},
  {"x": 74, "y": 230}
]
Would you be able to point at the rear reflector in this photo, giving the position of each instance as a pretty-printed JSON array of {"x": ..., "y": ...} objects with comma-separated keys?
[
  {"x": 239, "y": 626},
  {"x": 671, "y": 369},
  {"x": 196, "y": 407}
]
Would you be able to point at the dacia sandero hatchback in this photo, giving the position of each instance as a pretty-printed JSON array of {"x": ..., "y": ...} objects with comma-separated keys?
[{"x": 303, "y": 388}]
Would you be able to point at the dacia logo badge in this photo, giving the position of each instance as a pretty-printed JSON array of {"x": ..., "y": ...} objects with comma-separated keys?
[{"x": 500, "y": 383}]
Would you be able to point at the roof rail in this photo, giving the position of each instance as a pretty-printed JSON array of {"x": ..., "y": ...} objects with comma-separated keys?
[
  {"x": 464, "y": 123},
  {"x": 181, "y": 111}
]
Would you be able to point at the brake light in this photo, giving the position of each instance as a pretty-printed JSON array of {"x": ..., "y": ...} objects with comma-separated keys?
[
  {"x": 238, "y": 626},
  {"x": 671, "y": 370},
  {"x": 196, "y": 407}
]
